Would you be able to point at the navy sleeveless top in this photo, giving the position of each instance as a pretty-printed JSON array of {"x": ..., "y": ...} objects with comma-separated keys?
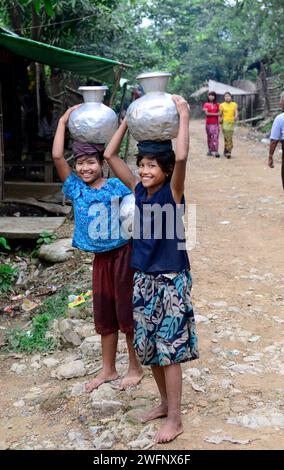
[{"x": 158, "y": 238}]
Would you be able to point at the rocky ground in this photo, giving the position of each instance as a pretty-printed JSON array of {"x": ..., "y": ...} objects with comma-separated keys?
[{"x": 233, "y": 395}]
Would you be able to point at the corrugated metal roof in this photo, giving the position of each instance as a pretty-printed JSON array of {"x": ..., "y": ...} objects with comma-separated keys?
[{"x": 220, "y": 89}]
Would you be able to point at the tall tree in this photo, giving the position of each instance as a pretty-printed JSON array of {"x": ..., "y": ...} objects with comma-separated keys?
[{"x": 194, "y": 39}]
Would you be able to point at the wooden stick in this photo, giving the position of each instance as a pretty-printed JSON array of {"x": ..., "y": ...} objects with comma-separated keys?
[
  {"x": 1, "y": 149},
  {"x": 68, "y": 88},
  {"x": 122, "y": 100},
  {"x": 115, "y": 88},
  {"x": 127, "y": 145}
]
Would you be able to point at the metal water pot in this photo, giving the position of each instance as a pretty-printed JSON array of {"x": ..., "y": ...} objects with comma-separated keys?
[
  {"x": 93, "y": 122},
  {"x": 153, "y": 116},
  {"x": 126, "y": 215}
]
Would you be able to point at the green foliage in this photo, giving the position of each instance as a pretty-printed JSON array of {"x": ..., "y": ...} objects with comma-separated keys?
[
  {"x": 38, "y": 5},
  {"x": 7, "y": 277},
  {"x": 35, "y": 339},
  {"x": 47, "y": 5},
  {"x": 195, "y": 40},
  {"x": 217, "y": 39},
  {"x": 266, "y": 127},
  {"x": 4, "y": 243},
  {"x": 30, "y": 341},
  {"x": 46, "y": 238}
]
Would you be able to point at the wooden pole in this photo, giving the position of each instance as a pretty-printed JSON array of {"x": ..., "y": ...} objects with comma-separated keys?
[
  {"x": 115, "y": 88},
  {"x": 122, "y": 100},
  {"x": 37, "y": 68},
  {"x": 126, "y": 145},
  {"x": 1, "y": 149},
  {"x": 264, "y": 87}
]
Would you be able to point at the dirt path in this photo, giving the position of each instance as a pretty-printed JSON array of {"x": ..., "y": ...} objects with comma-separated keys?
[
  {"x": 233, "y": 395},
  {"x": 238, "y": 278}
]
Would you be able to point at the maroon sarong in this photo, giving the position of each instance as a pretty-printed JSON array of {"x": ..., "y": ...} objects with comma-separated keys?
[{"x": 112, "y": 290}]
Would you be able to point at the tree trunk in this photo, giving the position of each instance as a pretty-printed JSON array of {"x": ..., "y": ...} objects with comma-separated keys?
[
  {"x": 264, "y": 87},
  {"x": 1, "y": 149},
  {"x": 16, "y": 19},
  {"x": 39, "y": 68},
  {"x": 36, "y": 25}
]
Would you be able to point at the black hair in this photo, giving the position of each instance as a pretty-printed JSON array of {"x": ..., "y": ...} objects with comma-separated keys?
[
  {"x": 212, "y": 93},
  {"x": 165, "y": 160},
  {"x": 98, "y": 155}
]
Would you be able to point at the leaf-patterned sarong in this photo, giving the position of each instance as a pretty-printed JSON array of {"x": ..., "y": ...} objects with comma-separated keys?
[{"x": 164, "y": 322}]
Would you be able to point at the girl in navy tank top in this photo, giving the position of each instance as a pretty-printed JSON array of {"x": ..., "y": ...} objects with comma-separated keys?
[{"x": 163, "y": 315}]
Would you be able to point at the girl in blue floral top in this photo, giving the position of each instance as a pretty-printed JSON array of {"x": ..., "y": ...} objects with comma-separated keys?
[{"x": 96, "y": 201}]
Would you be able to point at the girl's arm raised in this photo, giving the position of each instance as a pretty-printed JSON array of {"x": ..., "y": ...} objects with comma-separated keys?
[
  {"x": 182, "y": 147},
  {"x": 62, "y": 167},
  {"x": 118, "y": 166}
]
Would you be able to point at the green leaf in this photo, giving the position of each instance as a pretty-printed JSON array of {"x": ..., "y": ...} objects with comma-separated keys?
[
  {"x": 34, "y": 339},
  {"x": 7, "y": 276},
  {"x": 4, "y": 243},
  {"x": 48, "y": 7},
  {"x": 25, "y": 2},
  {"x": 37, "y": 5}
]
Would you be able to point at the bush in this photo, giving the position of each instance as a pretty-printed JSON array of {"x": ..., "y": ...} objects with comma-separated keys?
[
  {"x": 7, "y": 277},
  {"x": 3, "y": 242},
  {"x": 35, "y": 339}
]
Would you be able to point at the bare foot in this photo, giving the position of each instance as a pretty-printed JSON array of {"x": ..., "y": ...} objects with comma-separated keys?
[
  {"x": 101, "y": 378},
  {"x": 157, "y": 412},
  {"x": 171, "y": 429},
  {"x": 132, "y": 378}
]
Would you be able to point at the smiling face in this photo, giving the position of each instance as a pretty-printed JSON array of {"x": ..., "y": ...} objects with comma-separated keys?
[
  {"x": 151, "y": 174},
  {"x": 88, "y": 168}
]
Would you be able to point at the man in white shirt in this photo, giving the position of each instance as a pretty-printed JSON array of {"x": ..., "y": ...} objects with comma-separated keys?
[{"x": 277, "y": 133}]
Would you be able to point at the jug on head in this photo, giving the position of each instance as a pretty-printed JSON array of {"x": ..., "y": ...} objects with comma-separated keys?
[
  {"x": 153, "y": 116},
  {"x": 93, "y": 122}
]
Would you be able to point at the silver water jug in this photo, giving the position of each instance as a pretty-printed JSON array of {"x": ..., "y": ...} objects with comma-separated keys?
[
  {"x": 126, "y": 215},
  {"x": 153, "y": 116},
  {"x": 93, "y": 122}
]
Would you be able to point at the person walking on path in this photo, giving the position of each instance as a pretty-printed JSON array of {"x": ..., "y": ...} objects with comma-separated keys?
[
  {"x": 228, "y": 117},
  {"x": 211, "y": 108},
  {"x": 277, "y": 134}
]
